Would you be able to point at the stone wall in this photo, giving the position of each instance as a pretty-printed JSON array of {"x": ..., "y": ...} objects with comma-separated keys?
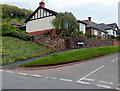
[
  {"x": 54, "y": 42},
  {"x": 72, "y": 42},
  {"x": 63, "y": 43}
]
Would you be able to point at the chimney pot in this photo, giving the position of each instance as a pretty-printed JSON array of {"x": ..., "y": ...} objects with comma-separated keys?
[
  {"x": 89, "y": 18},
  {"x": 42, "y": 4}
]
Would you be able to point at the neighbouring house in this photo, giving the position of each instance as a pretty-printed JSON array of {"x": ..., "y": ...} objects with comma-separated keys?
[
  {"x": 82, "y": 26},
  {"x": 113, "y": 29},
  {"x": 101, "y": 30},
  {"x": 107, "y": 28},
  {"x": 94, "y": 29},
  {"x": 40, "y": 21},
  {"x": 118, "y": 31}
]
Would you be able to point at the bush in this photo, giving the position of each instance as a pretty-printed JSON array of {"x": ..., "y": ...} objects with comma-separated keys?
[
  {"x": 8, "y": 29},
  {"x": 118, "y": 37},
  {"x": 12, "y": 31},
  {"x": 83, "y": 35},
  {"x": 94, "y": 36},
  {"x": 78, "y": 32},
  {"x": 22, "y": 36},
  {"x": 112, "y": 36},
  {"x": 99, "y": 37}
]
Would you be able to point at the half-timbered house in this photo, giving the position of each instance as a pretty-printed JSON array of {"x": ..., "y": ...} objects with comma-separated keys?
[{"x": 40, "y": 21}]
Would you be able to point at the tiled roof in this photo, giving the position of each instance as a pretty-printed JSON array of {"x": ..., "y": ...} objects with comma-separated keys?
[
  {"x": 79, "y": 21},
  {"x": 113, "y": 25},
  {"x": 107, "y": 27},
  {"x": 95, "y": 26},
  {"x": 104, "y": 26}
]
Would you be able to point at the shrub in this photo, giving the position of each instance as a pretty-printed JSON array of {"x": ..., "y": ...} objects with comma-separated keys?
[
  {"x": 8, "y": 29},
  {"x": 112, "y": 36},
  {"x": 78, "y": 32},
  {"x": 83, "y": 35},
  {"x": 22, "y": 36},
  {"x": 12, "y": 31},
  {"x": 94, "y": 36},
  {"x": 99, "y": 37}
]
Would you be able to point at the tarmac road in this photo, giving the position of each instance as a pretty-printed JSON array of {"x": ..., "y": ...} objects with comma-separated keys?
[{"x": 101, "y": 73}]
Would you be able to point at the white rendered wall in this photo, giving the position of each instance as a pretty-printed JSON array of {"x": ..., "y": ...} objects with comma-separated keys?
[
  {"x": 115, "y": 34},
  {"x": 110, "y": 32},
  {"x": 82, "y": 27},
  {"x": 95, "y": 32},
  {"x": 102, "y": 33},
  {"x": 40, "y": 24}
]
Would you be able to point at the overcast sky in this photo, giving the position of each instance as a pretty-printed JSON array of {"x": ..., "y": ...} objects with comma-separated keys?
[{"x": 101, "y": 11}]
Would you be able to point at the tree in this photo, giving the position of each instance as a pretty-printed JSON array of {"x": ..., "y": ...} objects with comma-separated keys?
[{"x": 66, "y": 23}]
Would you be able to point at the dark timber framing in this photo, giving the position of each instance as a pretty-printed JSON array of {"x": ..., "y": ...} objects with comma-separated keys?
[{"x": 38, "y": 11}]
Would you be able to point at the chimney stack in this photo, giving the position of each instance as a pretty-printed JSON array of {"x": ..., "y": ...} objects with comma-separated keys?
[
  {"x": 89, "y": 18},
  {"x": 42, "y": 4}
]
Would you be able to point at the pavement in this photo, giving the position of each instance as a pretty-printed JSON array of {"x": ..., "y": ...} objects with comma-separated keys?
[{"x": 100, "y": 73}]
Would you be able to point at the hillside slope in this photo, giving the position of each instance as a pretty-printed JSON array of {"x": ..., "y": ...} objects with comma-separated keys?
[
  {"x": 12, "y": 14},
  {"x": 14, "y": 49}
]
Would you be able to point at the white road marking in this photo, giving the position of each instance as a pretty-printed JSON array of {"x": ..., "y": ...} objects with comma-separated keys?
[
  {"x": 1, "y": 70},
  {"x": 115, "y": 59},
  {"x": 51, "y": 77},
  {"x": 36, "y": 75},
  {"x": 9, "y": 71},
  {"x": 22, "y": 74},
  {"x": 103, "y": 86},
  {"x": 88, "y": 79},
  {"x": 66, "y": 80},
  {"x": 105, "y": 82},
  {"x": 83, "y": 82},
  {"x": 91, "y": 73},
  {"x": 118, "y": 88}
]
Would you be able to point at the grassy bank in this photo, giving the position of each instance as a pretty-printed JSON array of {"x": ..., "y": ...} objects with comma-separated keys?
[
  {"x": 79, "y": 54},
  {"x": 14, "y": 49}
]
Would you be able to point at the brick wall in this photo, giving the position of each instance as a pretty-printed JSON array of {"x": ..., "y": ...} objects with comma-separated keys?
[{"x": 116, "y": 43}]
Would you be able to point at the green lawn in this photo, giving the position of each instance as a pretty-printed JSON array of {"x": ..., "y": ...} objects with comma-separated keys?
[
  {"x": 14, "y": 49},
  {"x": 74, "y": 55}
]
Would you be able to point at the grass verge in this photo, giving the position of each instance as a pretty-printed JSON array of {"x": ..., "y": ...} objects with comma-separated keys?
[
  {"x": 73, "y": 55},
  {"x": 14, "y": 49}
]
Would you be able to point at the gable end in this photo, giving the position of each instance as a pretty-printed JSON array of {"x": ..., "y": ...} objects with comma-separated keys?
[{"x": 41, "y": 12}]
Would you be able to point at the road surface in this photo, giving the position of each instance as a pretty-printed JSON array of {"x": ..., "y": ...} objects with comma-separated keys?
[{"x": 101, "y": 73}]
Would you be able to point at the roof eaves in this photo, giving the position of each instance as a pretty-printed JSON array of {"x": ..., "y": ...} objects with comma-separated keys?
[{"x": 79, "y": 21}]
